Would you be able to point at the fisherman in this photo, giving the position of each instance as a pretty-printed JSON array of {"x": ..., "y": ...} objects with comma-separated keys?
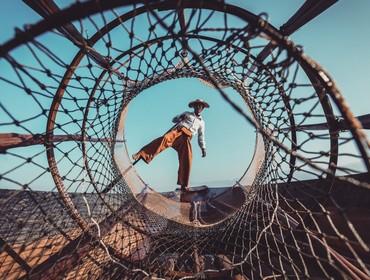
[{"x": 179, "y": 137}]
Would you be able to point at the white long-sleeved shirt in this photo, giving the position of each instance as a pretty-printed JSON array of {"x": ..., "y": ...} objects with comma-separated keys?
[{"x": 194, "y": 123}]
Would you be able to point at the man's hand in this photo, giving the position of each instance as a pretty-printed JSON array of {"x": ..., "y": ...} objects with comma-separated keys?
[{"x": 204, "y": 153}]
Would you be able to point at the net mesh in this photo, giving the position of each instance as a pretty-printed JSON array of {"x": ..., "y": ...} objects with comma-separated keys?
[{"x": 67, "y": 208}]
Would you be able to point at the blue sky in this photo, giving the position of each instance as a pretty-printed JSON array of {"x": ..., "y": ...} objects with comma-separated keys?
[{"x": 338, "y": 39}]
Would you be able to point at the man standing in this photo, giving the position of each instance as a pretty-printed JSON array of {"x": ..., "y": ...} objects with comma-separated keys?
[{"x": 179, "y": 137}]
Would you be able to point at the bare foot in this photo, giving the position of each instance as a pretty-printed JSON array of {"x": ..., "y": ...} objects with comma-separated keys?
[
  {"x": 136, "y": 156},
  {"x": 185, "y": 188}
]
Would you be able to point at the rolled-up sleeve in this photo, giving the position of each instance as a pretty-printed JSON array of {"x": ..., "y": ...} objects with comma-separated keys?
[{"x": 201, "y": 136}]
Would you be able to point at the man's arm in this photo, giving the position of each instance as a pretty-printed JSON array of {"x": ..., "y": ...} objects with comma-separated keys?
[
  {"x": 179, "y": 118},
  {"x": 201, "y": 139}
]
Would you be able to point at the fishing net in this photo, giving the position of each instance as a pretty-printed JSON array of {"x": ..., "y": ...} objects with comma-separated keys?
[{"x": 69, "y": 210}]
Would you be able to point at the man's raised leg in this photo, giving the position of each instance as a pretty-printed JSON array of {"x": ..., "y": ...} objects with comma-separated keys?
[{"x": 149, "y": 151}]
